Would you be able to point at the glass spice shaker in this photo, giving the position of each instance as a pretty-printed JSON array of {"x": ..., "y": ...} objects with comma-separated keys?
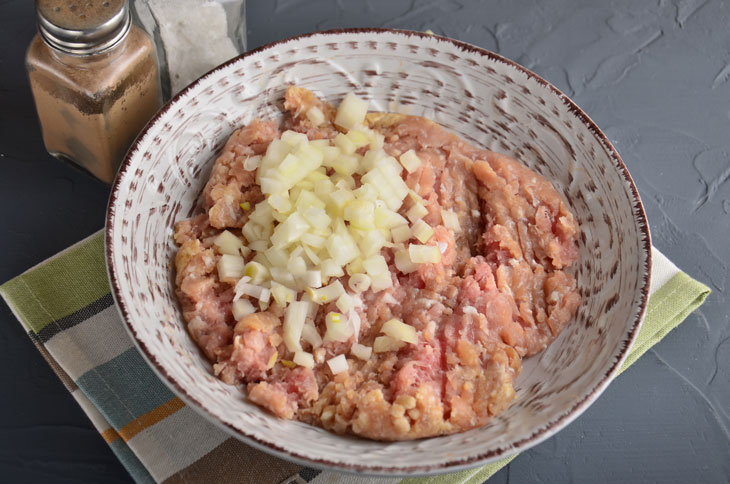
[
  {"x": 95, "y": 81},
  {"x": 192, "y": 36}
]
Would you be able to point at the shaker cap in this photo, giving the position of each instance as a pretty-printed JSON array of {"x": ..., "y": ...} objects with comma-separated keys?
[{"x": 83, "y": 26}]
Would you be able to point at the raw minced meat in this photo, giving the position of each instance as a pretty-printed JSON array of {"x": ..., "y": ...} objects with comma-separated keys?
[{"x": 500, "y": 293}]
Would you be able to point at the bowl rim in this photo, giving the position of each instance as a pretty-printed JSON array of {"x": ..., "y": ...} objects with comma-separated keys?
[{"x": 452, "y": 465}]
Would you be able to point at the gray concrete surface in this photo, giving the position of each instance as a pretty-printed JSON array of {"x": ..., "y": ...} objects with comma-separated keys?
[{"x": 654, "y": 75}]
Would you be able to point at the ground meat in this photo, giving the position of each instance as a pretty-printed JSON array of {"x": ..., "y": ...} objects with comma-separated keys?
[{"x": 501, "y": 291}]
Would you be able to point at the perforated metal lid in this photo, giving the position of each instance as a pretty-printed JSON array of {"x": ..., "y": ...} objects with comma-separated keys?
[{"x": 83, "y": 26}]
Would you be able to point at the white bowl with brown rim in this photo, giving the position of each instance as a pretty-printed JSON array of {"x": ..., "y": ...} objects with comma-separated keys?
[{"x": 489, "y": 101}]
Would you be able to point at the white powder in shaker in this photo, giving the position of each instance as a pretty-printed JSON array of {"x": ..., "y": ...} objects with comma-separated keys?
[{"x": 194, "y": 34}]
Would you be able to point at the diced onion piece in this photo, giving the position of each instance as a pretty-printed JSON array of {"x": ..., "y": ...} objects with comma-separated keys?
[
  {"x": 317, "y": 217},
  {"x": 400, "y": 331},
  {"x": 375, "y": 265},
  {"x": 331, "y": 269},
  {"x": 277, "y": 257},
  {"x": 289, "y": 231},
  {"x": 279, "y": 202},
  {"x": 422, "y": 231},
  {"x": 312, "y": 256},
  {"x": 282, "y": 276},
  {"x": 423, "y": 254},
  {"x": 351, "y": 112},
  {"x": 264, "y": 298},
  {"x": 341, "y": 197},
  {"x": 242, "y": 308},
  {"x": 312, "y": 278},
  {"x": 401, "y": 233},
  {"x": 307, "y": 198},
  {"x": 315, "y": 116},
  {"x": 257, "y": 272},
  {"x": 252, "y": 162},
  {"x": 386, "y": 343},
  {"x": 327, "y": 293},
  {"x": 302, "y": 358},
  {"x": 344, "y": 143},
  {"x": 355, "y": 267},
  {"x": 338, "y": 327},
  {"x": 329, "y": 154},
  {"x": 345, "y": 164},
  {"x": 292, "y": 138},
  {"x": 359, "y": 283},
  {"x": 377, "y": 140},
  {"x": 342, "y": 248},
  {"x": 297, "y": 266},
  {"x": 294, "y": 319},
  {"x": 361, "y": 351},
  {"x": 231, "y": 268},
  {"x": 259, "y": 245},
  {"x": 313, "y": 240},
  {"x": 371, "y": 243},
  {"x": 345, "y": 303},
  {"x": 388, "y": 219},
  {"x": 282, "y": 295},
  {"x": 381, "y": 281},
  {"x": 451, "y": 220},
  {"x": 338, "y": 364},
  {"x": 403, "y": 262},
  {"x": 358, "y": 138},
  {"x": 410, "y": 161},
  {"x": 417, "y": 211},
  {"x": 360, "y": 214},
  {"x": 227, "y": 243},
  {"x": 311, "y": 336}
]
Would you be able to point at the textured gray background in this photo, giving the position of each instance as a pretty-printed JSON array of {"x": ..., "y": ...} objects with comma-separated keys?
[{"x": 654, "y": 75}]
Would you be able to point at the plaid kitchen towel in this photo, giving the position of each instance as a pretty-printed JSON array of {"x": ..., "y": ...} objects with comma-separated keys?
[{"x": 65, "y": 306}]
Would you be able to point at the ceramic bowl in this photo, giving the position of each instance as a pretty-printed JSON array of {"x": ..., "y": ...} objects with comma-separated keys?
[{"x": 487, "y": 99}]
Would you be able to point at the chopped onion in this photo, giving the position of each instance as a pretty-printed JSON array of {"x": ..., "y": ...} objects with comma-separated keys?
[
  {"x": 360, "y": 351},
  {"x": 282, "y": 295},
  {"x": 451, "y": 220},
  {"x": 345, "y": 303},
  {"x": 338, "y": 364},
  {"x": 312, "y": 279},
  {"x": 344, "y": 143},
  {"x": 386, "y": 343},
  {"x": 311, "y": 336},
  {"x": 400, "y": 331},
  {"x": 423, "y": 254},
  {"x": 315, "y": 116},
  {"x": 410, "y": 161},
  {"x": 403, "y": 262},
  {"x": 401, "y": 233},
  {"x": 252, "y": 162},
  {"x": 338, "y": 327},
  {"x": 242, "y": 308},
  {"x": 359, "y": 283},
  {"x": 289, "y": 231},
  {"x": 231, "y": 268},
  {"x": 327, "y": 293},
  {"x": 304, "y": 359},
  {"x": 351, "y": 112},
  {"x": 229, "y": 244},
  {"x": 294, "y": 319},
  {"x": 256, "y": 271},
  {"x": 422, "y": 231},
  {"x": 417, "y": 211},
  {"x": 296, "y": 266}
]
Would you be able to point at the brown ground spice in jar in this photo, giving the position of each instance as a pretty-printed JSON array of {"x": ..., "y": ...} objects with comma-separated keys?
[{"x": 91, "y": 107}]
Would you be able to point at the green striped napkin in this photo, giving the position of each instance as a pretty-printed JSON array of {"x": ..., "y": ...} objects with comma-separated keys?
[{"x": 65, "y": 306}]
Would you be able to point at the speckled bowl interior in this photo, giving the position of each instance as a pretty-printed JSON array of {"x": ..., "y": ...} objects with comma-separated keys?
[{"x": 485, "y": 98}]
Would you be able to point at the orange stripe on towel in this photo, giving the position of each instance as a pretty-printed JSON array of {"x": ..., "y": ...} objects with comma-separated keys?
[{"x": 150, "y": 418}]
